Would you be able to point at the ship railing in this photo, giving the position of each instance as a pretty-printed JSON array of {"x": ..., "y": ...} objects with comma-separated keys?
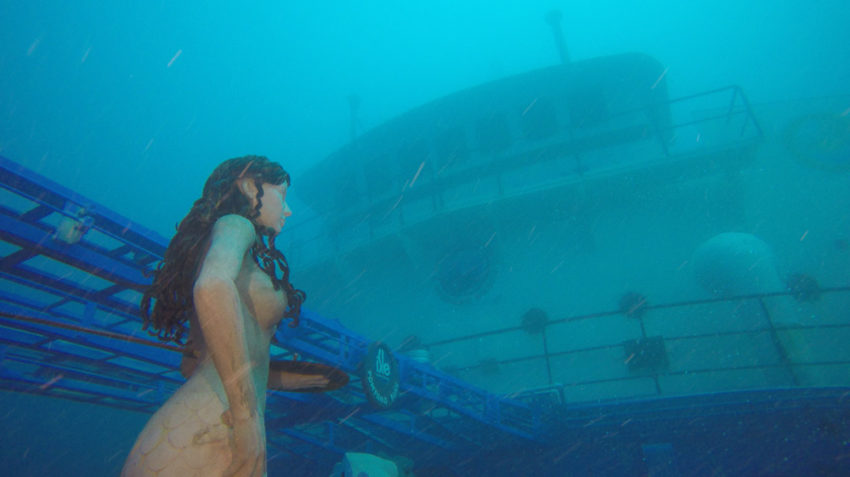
[
  {"x": 717, "y": 121},
  {"x": 759, "y": 341}
]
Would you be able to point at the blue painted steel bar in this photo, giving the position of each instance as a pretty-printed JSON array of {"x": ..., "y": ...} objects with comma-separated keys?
[
  {"x": 53, "y": 333},
  {"x": 67, "y": 291},
  {"x": 87, "y": 259},
  {"x": 45, "y": 192}
]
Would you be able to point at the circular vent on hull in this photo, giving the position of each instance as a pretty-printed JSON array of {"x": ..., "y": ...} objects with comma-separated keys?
[{"x": 465, "y": 273}]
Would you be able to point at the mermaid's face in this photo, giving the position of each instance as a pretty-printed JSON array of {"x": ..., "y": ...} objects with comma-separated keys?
[{"x": 275, "y": 210}]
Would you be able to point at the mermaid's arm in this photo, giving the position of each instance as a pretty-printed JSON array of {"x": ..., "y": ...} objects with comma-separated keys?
[
  {"x": 279, "y": 379},
  {"x": 285, "y": 380},
  {"x": 220, "y": 314}
]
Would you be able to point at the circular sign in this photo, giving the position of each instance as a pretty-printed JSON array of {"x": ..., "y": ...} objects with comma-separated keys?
[{"x": 380, "y": 375}]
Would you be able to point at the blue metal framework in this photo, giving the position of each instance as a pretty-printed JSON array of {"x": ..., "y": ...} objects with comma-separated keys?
[{"x": 71, "y": 274}]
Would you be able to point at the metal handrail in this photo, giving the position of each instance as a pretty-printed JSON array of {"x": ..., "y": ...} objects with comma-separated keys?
[
  {"x": 531, "y": 152},
  {"x": 546, "y": 355}
]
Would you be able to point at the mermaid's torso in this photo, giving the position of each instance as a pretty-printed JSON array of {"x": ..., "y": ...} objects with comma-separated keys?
[{"x": 186, "y": 436}]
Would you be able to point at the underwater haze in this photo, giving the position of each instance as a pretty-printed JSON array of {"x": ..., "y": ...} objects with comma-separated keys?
[{"x": 132, "y": 104}]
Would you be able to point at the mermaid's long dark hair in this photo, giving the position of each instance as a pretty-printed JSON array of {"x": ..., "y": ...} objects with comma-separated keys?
[{"x": 174, "y": 277}]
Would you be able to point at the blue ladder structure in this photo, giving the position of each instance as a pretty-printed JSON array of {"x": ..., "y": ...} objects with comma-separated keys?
[{"x": 71, "y": 275}]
